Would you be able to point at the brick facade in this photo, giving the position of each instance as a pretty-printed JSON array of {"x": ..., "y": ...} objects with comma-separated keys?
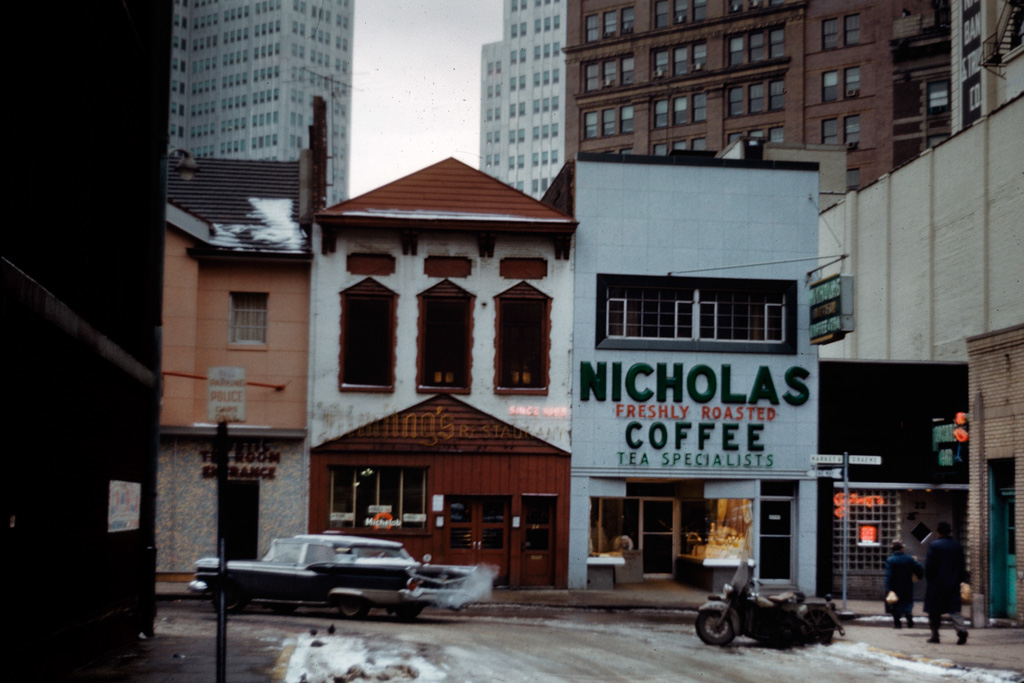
[
  {"x": 997, "y": 431},
  {"x": 811, "y": 72}
]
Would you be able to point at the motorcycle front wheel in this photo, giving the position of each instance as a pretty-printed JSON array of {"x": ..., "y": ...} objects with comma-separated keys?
[{"x": 713, "y": 629}]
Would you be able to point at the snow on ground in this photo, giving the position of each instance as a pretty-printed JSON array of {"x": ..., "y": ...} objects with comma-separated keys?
[
  {"x": 332, "y": 658},
  {"x": 913, "y": 669}
]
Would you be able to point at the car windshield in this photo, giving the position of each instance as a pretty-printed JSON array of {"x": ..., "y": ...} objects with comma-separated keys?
[
  {"x": 377, "y": 553},
  {"x": 284, "y": 552}
]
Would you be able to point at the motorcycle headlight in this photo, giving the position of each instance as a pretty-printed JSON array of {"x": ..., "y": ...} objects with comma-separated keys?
[{"x": 727, "y": 589}]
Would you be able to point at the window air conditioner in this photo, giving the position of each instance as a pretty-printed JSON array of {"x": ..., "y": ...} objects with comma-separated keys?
[
  {"x": 609, "y": 82},
  {"x": 853, "y": 92},
  {"x": 755, "y": 4},
  {"x": 626, "y": 30},
  {"x": 852, "y": 145},
  {"x": 680, "y": 18},
  {"x": 609, "y": 34},
  {"x": 659, "y": 73},
  {"x": 698, "y": 66},
  {"x": 735, "y": 6}
]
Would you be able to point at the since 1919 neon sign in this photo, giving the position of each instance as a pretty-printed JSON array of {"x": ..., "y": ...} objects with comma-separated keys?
[{"x": 867, "y": 501}]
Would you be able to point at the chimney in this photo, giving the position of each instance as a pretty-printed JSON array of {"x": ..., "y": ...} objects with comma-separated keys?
[{"x": 318, "y": 147}]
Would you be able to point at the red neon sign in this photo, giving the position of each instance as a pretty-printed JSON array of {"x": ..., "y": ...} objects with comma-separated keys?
[{"x": 867, "y": 501}]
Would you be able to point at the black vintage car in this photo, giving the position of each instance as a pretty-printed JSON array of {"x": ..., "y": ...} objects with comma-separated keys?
[{"x": 351, "y": 573}]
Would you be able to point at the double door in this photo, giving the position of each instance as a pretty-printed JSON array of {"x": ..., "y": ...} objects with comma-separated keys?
[{"x": 478, "y": 533}]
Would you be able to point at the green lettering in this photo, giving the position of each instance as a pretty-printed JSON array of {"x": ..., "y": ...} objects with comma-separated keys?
[
  {"x": 727, "y": 395},
  {"x": 592, "y": 381},
  {"x": 708, "y": 374},
  {"x": 616, "y": 382},
  {"x": 681, "y": 428},
  {"x": 764, "y": 387},
  {"x": 658, "y": 435},
  {"x": 754, "y": 437},
  {"x": 729, "y": 436},
  {"x": 634, "y": 393},
  {"x": 704, "y": 433},
  {"x": 794, "y": 377},
  {"x": 675, "y": 382},
  {"x": 630, "y": 441}
]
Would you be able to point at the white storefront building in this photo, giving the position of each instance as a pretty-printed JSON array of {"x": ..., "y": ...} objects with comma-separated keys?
[{"x": 695, "y": 397}]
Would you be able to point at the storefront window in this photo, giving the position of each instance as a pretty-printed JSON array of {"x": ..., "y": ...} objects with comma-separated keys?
[
  {"x": 614, "y": 525},
  {"x": 717, "y": 529},
  {"x": 710, "y": 529},
  {"x": 378, "y": 498}
]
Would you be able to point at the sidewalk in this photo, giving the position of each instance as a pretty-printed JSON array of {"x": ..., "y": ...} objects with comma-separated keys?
[{"x": 171, "y": 655}]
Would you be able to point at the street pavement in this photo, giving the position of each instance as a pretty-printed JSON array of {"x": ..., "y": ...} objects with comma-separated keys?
[{"x": 180, "y": 656}]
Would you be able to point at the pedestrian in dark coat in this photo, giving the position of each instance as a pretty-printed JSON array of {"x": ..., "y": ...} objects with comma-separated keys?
[
  {"x": 944, "y": 569},
  {"x": 900, "y": 570}
]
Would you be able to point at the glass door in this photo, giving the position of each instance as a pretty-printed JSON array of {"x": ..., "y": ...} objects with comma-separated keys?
[
  {"x": 657, "y": 535},
  {"x": 775, "y": 563}
]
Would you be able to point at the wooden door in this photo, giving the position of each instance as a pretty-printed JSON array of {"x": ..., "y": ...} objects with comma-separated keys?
[
  {"x": 537, "y": 563},
  {"x": 478, "y": 533}
]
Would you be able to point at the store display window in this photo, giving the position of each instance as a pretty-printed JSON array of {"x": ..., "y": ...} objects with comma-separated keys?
[
  {"x": 709, "y": 529},
  {"x": 364, "y": 497},
  {"x": 717, "y": 529}
]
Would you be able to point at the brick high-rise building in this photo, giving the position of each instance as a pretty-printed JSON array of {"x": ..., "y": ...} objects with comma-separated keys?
[{"x": 650, "y": 77}]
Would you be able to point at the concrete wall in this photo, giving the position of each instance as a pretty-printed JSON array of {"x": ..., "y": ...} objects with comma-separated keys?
[{"x": 936, "y": 246}]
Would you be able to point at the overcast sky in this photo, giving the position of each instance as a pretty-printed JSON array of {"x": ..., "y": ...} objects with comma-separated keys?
[{"x": 416, "y": 85}]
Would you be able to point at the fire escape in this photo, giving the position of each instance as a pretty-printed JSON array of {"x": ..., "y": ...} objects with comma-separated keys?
[{"x": 1009, "y": 33}]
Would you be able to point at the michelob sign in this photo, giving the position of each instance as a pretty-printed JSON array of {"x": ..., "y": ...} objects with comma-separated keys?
[{"x": 831, "y": 307}]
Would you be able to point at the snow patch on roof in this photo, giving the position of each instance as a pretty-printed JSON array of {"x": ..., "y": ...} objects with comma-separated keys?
[
  {"x": 425, "y": 215},
  {"x": 272, "y": 230}
]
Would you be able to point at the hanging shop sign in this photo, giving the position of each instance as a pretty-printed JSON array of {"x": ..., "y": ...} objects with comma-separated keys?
[
  {"x": 831, "y": 309},
  {"x": 695, "y": 433},
  {"x": 970, "y": 64}
]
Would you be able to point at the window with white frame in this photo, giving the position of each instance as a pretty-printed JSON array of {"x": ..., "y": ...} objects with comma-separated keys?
[
  {"x": 680, "y": 312},
  {"x": 248, "y": 318}
]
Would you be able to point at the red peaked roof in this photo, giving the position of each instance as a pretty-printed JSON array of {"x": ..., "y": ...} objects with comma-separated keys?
[{"x": 448, "y": 195}]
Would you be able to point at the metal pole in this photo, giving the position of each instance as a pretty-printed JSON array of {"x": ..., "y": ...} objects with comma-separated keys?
[
  {"x": 846, "y": 522},
  {"x": 221, "y": 447}
]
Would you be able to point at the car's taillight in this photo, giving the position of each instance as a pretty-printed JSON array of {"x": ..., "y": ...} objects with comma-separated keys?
[{"x": 412, "y": 584}]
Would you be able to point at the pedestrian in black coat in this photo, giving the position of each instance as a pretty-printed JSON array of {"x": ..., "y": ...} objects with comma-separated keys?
[
  {"x": 900, "y": 570},
  {"x": 944, "y": 569}
]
